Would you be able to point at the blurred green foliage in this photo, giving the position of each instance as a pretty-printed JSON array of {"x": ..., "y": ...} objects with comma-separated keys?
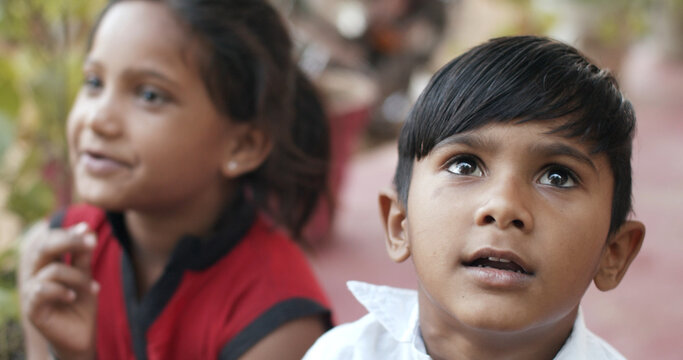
[
  {"x": 9, "y": 308},
  {"x": 619, "y": 18},
  {"x": 42, "y": 43},
  {"x": 604, "y": 30}
]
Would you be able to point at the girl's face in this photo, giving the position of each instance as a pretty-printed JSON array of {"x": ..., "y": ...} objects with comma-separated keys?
[{"x": 143, "y": 132}]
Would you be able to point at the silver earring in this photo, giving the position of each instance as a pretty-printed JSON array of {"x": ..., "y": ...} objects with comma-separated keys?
[{"x": 232, "y": 165}]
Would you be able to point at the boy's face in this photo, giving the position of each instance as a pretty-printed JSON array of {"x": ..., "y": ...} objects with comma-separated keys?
[
  {"x": 506, "y": 226},
  {"x": 143, "y": 131}
]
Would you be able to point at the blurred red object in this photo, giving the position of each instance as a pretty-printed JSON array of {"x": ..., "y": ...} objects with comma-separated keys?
[
  {"x": 350, "y": 99},
  {"x": 345, "y": 130}
]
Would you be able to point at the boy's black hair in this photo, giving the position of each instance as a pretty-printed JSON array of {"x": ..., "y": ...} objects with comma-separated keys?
[
  {"x": 519, "y": 79},
  {"x": 247, "y": 66}
]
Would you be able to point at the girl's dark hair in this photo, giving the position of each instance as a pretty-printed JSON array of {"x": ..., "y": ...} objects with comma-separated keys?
[
  {"x": 247, "y": 65},
  {"x": 519, "y": 79}
]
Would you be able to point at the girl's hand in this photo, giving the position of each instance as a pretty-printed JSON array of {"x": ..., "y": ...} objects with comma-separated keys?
[{"x": 59, "y": 300}]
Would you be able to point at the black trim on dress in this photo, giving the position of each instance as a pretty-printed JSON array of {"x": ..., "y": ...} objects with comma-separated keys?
[
  {"x": 191, "y": 253},
  {"x": 57, "y": 219},
  {"x": 269, "y": 321}
]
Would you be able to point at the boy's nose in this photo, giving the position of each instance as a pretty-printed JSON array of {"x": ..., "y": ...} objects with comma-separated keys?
[{"x": 505, "y": 205}]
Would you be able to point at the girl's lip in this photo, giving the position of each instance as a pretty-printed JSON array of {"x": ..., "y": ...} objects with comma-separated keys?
[
  {"x": 99, "y": 154},
  {"x": 98, "y": 163}
]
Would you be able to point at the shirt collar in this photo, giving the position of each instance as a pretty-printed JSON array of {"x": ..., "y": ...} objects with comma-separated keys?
[
  {"x": 397, "y": 311},
  {"x": 197, "y": 253},
  {"x": 580, "y": 343}
]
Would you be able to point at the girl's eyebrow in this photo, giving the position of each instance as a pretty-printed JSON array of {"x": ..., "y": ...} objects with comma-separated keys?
[
  {"x": 148, "y": 72},
  {"x": 139, "y": 72},
  {"x": 89, "y": 61},
  {"x": 559, "y": 149}
]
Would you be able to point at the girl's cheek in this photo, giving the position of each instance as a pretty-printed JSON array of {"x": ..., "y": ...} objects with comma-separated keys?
[
  {"x": 74, "y": 126},
  {"x": 70, "y": 128}
]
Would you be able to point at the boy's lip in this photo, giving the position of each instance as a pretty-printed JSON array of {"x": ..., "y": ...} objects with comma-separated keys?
[{"x": 506, "y": 258}]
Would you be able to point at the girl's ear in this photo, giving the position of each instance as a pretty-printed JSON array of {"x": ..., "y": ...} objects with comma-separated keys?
[
  {"x": 395, "y": 225},
  {"x": 246, "y": 148},
  {"x": 622, "y": 247}
]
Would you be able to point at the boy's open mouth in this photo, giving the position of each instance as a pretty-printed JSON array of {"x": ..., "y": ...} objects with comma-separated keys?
[{"x": 498, "y": 263}]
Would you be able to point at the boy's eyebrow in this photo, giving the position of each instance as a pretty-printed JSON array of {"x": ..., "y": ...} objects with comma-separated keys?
[
  {"x": 545, "y": 149},
  {"x": 559, "y": 149},
  {"x": 469, "y": 139}
]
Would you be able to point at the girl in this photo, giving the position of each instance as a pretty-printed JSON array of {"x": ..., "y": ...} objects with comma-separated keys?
[{"x": 185, "y": 145}]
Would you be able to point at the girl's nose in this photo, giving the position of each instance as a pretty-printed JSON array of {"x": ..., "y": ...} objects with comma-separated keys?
[
  {"x": 104, "y": 118},
  {"x": 505, "y": 205}
]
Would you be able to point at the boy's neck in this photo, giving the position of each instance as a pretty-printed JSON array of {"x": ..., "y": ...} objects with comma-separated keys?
[{"x": 455, "y": 340}]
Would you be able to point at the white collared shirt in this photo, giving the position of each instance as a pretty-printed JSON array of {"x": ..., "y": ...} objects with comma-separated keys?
[{"x": 391, "y": 330}]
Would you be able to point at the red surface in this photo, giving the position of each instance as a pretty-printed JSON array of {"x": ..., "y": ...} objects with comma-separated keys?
[
  {"x": 345, "y": 130},
  {"x": 643, "y": 317}
]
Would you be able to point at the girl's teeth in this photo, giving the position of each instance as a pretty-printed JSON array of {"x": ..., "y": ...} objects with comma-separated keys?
[{"x": 493, "y": 258}]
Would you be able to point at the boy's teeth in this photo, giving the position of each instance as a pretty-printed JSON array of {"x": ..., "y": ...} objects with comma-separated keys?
[{"x": 496, "y": 263}]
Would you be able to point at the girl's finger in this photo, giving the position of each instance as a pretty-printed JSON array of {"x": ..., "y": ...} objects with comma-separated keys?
[
  {"x": 67, "y": 276},
  {"x": 60, "y": 242},
  {"x": 45, "y": 292},
  {"x": 37, "y": 295},
  {"x": 81, "y": 260}
]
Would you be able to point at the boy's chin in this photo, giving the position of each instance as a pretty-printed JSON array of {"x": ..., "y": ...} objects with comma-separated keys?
[
  {"x": 496, "y": 324},
  {"x": 511, "y": 323}
]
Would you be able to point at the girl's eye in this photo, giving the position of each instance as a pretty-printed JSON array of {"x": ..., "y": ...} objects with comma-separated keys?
[
  {"x": 465, "y": 165},
  {"x": 92, "y": 82},
  {"x": 558, "y": 177},
  {"x": 152, "y": 96}
]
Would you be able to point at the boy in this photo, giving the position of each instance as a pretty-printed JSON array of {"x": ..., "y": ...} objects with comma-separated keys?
[{"x": 512, "y": 192}]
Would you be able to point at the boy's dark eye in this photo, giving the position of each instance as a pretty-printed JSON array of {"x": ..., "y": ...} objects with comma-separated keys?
[
  {"x": 558, "y": 177},
  {"x": 465, "y": 165}
]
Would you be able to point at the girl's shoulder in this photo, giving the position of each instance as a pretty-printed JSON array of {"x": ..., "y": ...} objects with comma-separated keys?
[
  {"x": 272, "y": 260},
  {"x": 272, "y": 246}
]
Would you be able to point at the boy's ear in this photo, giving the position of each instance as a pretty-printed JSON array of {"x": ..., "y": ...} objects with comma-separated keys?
[
  {"x": 395, "y": 223},
  {"x": 621, "y": 248},
  {"x": 246, "y": 148}
]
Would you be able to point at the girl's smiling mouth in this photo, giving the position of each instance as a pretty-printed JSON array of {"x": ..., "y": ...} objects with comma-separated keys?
[{"x": 101, "y": 164}]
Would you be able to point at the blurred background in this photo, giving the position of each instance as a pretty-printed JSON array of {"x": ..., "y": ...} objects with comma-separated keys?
[{"x": 371, "y": 58}]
